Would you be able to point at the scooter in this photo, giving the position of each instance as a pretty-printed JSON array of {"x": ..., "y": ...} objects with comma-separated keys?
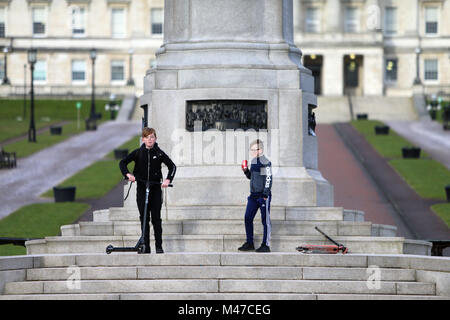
[
  {"x": 140, "y": 245},
  {"x": 323, "y": 249}
]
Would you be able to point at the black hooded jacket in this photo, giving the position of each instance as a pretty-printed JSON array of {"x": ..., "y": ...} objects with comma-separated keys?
[{"x": 148, "y": 164}]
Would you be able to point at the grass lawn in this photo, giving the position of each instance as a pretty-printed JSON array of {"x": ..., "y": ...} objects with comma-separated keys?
[
  {"x": 443, "y": 211},
  {"x": 23, "y": 148},
  {"x": 388, "y": 146},
  {"x": 427, "y": 177},
  {"x": 10, "y": 128},
  {"x": 38, "y": 221},
  {"x": 47, "y": 112}
]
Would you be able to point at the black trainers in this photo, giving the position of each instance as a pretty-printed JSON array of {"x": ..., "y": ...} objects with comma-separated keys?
[
  {"x": 159, "y": 250},
  {"x": 145, "y": 250},
  {"x": 247, "y": 247},
  {"x": 263, "y": 248}
]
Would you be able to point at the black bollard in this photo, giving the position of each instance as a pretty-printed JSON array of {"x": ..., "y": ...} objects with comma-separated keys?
[{"x": 64, "y": 194}]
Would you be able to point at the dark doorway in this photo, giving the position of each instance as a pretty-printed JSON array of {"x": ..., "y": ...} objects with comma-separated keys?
[
  {"x": 353, "y": 74},
  {"x": 314, "y": 63}
]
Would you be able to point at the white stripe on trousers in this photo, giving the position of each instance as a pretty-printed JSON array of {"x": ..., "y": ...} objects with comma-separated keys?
[{"x": 268, "y": 223}]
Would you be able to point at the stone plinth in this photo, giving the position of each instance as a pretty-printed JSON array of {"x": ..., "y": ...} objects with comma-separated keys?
[{"x": 234, "y": 50}]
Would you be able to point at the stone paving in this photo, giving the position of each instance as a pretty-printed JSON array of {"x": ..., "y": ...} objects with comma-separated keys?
[{"x": 47, "y": 168}]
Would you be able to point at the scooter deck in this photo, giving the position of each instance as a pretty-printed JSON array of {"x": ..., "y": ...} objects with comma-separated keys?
[{"x": 137, "y": 248}]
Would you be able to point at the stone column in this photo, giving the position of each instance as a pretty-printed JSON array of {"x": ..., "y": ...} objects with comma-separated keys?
[
  {"x": 373, "y": 72},
  {"x": 333, "y": 73},
  {"x": 234, "y": 50}
]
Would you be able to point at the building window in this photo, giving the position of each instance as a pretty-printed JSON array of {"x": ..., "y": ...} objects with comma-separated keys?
[
  {"x": 39, "y": 21},
  {"x": 78, "y": 21},
  {"x": 391, "y": 70},
  {"x": 79, "y": 70},
  {"x": 2, "y": 21},
  {"x": 118, "y": 22},
  {"x": 40, "y": 71},
  {"x": 117, "y": 70},
  {"x": 431, "y": 69},
  {"x": 157, "y": 23},
  {"x": 431, "y": 20},
  {"x": 390, "y": 20},
  {"x": 351, "y": 20},
  {"x": 312, "y": 23},
  {"x": 2, "y": 69}
]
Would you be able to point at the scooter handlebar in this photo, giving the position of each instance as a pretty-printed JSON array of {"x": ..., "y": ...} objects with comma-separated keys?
[{"x": 150, "y": 182}]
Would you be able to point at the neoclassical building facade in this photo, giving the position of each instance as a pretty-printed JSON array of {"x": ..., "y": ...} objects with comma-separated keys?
[{"x": 361, "y": 47}]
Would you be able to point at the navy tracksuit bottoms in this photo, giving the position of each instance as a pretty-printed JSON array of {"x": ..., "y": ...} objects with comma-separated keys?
[{"x": 253, "y": 204}]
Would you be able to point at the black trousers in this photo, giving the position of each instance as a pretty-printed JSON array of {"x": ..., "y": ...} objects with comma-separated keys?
[{"x": 153, "y": 212}]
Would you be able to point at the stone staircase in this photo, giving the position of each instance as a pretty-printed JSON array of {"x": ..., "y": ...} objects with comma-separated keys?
[
  {"x": 231, "y": 276},
  {"x": 333, "y": 109},
  {"x": 200, "y": 229},
  {"x": 201, "y": 260}
]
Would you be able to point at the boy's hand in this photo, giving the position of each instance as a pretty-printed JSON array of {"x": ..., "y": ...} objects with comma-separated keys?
[
  {"x": 131, "y": 177},
  {"x": 165, "y": 184}
]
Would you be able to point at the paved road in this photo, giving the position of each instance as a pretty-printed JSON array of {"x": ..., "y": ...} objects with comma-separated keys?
[
  {"x": 45, "y": 169},
  {"x": 428, "y": 135}
]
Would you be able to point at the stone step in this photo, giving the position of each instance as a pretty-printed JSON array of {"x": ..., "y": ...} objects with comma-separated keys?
[
  {"x": 217, "y": 296},
  {"x": 211, "y": 243},
  {"x": 330, "y": 287},
  {"x": 216, "y": 286},
  {"x": 218, "y": 272},
  {"x": 211, "y": 259},
  {"x": 219, "y": 275},
  {"x": 287, "y": 259},
  {"x": 226, "y": 227},
  {"x": 231, "y": 213}
]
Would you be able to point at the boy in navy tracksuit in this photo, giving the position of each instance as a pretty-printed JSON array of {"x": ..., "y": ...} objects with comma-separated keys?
[{"x": 260, "y": 175}]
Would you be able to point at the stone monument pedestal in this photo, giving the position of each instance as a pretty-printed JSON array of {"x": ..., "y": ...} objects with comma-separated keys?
[{"x": 238, "y": 53}]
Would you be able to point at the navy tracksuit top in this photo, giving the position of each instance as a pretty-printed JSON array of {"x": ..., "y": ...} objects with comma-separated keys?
[{"x": 260, "y": 175}]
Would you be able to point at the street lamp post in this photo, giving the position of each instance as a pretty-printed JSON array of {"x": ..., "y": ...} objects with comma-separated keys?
[
  {"x": 417, "y": 79},
  {"x": 93, "y": 56},
  {"x": 91, "y": 121},
  {"x": 5, "y": 75},
  {"x": 24, "y": 91},
  {"x": 32, "y": 53}
]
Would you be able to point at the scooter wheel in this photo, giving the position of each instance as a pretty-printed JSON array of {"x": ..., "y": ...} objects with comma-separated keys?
[{"x": 109, "y": 249}]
